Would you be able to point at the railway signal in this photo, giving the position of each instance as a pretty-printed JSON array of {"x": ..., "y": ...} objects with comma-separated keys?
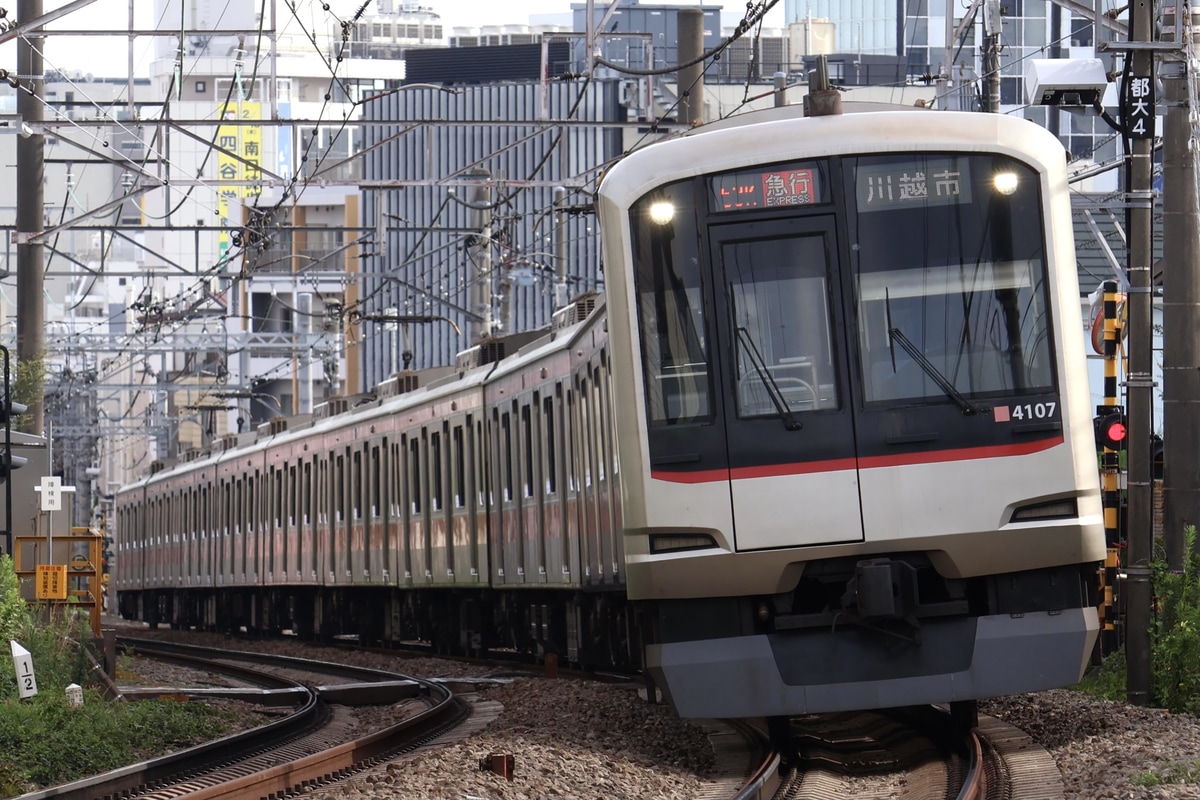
[
  {"x": 8, "y": 462},
  {"x": 9, "y": 411},
  {"x": 1112, "y": 429}
]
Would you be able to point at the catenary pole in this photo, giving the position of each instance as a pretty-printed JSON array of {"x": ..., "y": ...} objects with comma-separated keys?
[
  {"x": 1138, "y": 120},
  {"x": 1181, "y": 297},
  {"x": 31, "y": 329},
  {"x": 691, "y": 78}
]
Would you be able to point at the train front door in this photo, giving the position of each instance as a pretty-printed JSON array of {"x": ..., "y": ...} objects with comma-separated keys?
[{"x": 789, "y": 427}]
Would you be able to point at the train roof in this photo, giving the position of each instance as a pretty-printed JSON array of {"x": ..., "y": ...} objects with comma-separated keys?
[
  {"x": 473, "y": 368},
  {"x": 737, "y": 142}
]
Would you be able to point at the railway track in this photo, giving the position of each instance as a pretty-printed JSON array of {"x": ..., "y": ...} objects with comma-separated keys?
[
  {"x": 313, "y": 744},
  {"x": 914, "y": 754}
]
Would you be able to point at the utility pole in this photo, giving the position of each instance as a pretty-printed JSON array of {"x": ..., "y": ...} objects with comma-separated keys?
[
  {"x": 992, "y": 28},
  {"x": 1181, "y": 295},
  {"x": 31, "y": 328},
  {"x": 1138, "y": 122},
  {"x": 690, "y": 23},
  {"x": 482, "y": 281}
]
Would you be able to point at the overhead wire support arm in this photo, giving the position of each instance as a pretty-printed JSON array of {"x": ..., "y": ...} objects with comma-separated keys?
[
  {"x": 405, "y": 318},
  {"x": 29, "y": 25},
  {"x": 34, "y": 237}
]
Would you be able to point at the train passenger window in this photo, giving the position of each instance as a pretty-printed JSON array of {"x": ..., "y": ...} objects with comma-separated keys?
[
  {"x": 397, "y": 479},
  {"x": 600, "y": 414},
  {"x": 460, "y": 476},
  {"x": 414, "y": 470},
  {"x": 586, "y": 431},
  {"x": 320, "y": 489},
  {"x": 950, "y": 278},
  {"x": 356, "y": 487},
  {"x": 277, "y": 496},
  {"x": 611, "y": 405},
  {"x": 376, "y": 468},
  {"x": 293, "y": 497},
  {"x": 671, "y": 313},
  {"x": 572, "y": 442},
  {"x": 551, "y": 439},
  {"x": 306, "y": 494},
  {"x": 783, "y": 357},
  {"x": 435, "y": 472},
  {"x": 506, "y": 457},
  {"x": 527, "y": 452},
  {"x": 477, "y": 447},
  {"x": 339, "y": 495}
]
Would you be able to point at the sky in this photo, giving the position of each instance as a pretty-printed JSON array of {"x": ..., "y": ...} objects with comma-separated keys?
[{"x": 107, "y": 56}]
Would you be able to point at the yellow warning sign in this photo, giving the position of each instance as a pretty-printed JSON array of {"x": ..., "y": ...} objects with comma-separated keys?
[{"x": 52, "y": 582}]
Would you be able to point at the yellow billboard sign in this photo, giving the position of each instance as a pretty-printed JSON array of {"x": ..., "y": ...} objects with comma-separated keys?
[{"x": 239, "y": 159}]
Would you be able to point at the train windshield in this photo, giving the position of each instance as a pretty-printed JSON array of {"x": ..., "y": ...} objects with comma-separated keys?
[
  {"x": 950, "y": 277},
  {"x": 671, "y": 308}
]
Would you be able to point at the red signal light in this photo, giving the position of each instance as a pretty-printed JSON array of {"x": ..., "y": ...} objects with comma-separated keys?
[{"x": 1112, "y": 430}]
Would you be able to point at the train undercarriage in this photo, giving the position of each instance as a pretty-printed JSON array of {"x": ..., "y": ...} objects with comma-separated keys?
[{"x": 585, "y": 630}]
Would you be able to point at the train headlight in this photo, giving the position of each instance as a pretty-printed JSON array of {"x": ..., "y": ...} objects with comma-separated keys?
[
  {"x": 1005, "y": 182},
  {"x": 662, "y": 212},
  {"x": 679, "y": 542}
]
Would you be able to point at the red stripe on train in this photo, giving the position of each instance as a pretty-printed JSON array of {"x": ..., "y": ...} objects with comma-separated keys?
[{"x": 872, "y": 462}]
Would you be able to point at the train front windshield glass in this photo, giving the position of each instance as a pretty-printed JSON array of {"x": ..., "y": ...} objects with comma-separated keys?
[
  {"x": 671, "y": 308},
  {"x": 948, "y": 270},
  {"x": 948, "y": 258}
]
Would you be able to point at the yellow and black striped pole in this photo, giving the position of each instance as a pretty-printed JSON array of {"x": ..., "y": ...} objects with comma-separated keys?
[{"x": 1110, "y": 468}]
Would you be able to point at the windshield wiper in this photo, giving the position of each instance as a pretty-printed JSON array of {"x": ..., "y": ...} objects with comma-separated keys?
[
  {"x": 773, "y": 391},
  {"x": 932, "y": 371}
]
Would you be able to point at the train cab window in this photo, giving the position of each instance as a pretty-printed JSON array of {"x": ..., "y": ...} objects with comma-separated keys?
[
  {"x": 783, "y": 355},
  {"x": 668, "y": 279},
  {"x": 950, "y": 278}
]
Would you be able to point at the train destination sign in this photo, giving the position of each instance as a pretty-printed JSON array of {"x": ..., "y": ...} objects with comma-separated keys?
[
  {"x": 791, "y": 185},
  {"x": 919, "y": 182}
]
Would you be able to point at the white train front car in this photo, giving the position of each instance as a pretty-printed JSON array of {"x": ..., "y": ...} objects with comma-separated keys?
[{"x": 859, "y": 466}]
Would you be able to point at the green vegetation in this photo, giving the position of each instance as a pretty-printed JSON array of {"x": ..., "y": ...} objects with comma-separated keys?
[
  {"x": 44, "y": 741},
  {"x": 1182, "y": 772},
  {"x": 1174, "y": 639}
]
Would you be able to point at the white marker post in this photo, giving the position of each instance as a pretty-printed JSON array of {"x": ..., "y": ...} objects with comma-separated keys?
[{"x": 23, "y": 661}]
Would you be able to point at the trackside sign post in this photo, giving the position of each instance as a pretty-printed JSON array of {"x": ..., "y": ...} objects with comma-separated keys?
[{"x": 23, "y": 662}]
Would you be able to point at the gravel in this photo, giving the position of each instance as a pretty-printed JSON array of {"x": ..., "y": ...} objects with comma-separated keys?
[{"x": 578, "y": 739}]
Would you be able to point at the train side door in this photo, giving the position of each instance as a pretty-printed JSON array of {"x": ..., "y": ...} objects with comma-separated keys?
[{"x": 789, "y": 427}]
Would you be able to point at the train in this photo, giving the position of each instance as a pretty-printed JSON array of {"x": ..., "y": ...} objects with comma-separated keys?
[{"x": 822, "y": 443}]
